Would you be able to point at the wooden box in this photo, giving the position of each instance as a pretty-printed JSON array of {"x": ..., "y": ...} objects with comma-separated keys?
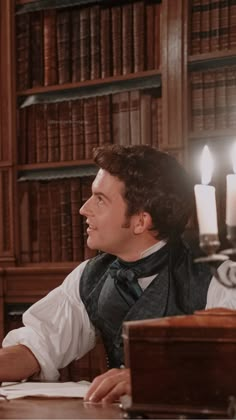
[{"x": 182, "y": 365}]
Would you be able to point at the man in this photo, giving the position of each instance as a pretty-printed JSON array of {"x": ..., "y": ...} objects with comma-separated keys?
[{"x": 140, "y": 203}]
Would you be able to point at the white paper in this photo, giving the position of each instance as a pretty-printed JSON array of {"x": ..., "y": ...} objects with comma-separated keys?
[{"x": 46, "y": 389}]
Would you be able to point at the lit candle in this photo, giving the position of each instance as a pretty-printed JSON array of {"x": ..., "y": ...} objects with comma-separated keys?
[
  {"x": 205, "y": 197},
  {"x": 231, "y": 192}
]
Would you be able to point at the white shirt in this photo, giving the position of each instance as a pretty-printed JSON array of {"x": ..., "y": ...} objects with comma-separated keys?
[{"x": 58, "y": 329}]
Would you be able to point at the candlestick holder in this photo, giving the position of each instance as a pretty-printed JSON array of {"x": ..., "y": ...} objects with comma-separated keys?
[{"x": 210, "y": 244}]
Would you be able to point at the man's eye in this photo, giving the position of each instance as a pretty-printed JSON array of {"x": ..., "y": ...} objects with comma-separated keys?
[{"x": 99, "y": 199}]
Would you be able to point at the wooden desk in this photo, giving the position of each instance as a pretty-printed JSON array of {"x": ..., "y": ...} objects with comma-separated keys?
[{"x": 56, "y": 408}]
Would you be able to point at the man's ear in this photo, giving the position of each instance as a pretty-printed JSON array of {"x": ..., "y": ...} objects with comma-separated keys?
[{"x": 142, "y": 223}]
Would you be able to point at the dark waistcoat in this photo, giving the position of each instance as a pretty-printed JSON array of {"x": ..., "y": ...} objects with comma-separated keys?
[{"x": 179, "y": 288}]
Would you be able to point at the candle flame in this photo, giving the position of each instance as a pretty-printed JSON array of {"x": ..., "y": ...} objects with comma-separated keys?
[
  {"x": 206, "y": 165},
  {"x": 233, "y": 157}
]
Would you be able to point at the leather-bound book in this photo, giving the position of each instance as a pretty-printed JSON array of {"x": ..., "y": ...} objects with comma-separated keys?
[
  {"x": 116, "y": 36},
  {"x": 65, "y": 129},
  {"x": 78, "y": 142},
  {"x": 53, "y": 132},
  {"x": 66, "y": 226},
  {"x": 50, "y": 48},
  {"x": 64, "y": 46},
  {"x": 23, "y": 51},
  {"x": 36, "y": 48},
  {"x": 55, "y": 219},
  {"x": 76, "y": 220},
  {"x": 85, "y": 48},
  {"x": 75, "y": 45},
  {"x": 127, "y": 39},
  {"x": 95, "y": 70},
  {"x": 104, "y": 119},
  {"x": 106, "y": 42},
  {"x": 138, "y": 35},
  {"x": 90, "y": 126}
]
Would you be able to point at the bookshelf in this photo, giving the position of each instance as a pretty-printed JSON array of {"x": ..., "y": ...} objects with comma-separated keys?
[
  {"x": 211, "y": 88},
  {"x": 73, "y": 75}
]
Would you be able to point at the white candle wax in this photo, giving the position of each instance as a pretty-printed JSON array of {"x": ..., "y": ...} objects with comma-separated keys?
[
  {"x": 231, "y": 200},
  {"x": 206, "y": 209}
]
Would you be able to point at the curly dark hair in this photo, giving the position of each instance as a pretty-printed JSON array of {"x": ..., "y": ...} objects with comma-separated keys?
[{"x": 153, "y": 182}]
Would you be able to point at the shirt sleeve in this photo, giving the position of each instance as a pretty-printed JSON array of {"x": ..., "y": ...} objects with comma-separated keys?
[
  {"x": 219, "y": 296},
  {"x": 57, "y": 328}
]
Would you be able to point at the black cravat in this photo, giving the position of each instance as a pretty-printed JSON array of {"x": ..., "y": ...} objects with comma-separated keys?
[{"x": 126, "y": 274}]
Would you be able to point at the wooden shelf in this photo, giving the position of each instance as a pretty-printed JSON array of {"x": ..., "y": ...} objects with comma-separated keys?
[
  {"x": 212, "y": 59},
  {"x": 217, "y": 134},
  {"x": 56, "y": 170},
  {"x": 25, "y": 6},
  {"x": 142, "y": 80}
]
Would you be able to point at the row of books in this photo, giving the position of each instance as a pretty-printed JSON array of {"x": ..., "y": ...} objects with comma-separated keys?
[
  {"x": 51, "y": 228},
  {"x": 213, "y": 99},
  {"x": 85, "y": 43},
  {"x": 69, "y": 130},
  {"x": 213, "y": 25}
]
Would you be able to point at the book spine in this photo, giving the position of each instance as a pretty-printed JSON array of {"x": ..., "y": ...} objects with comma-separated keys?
[
  {"x": 209, "y": 99},
  {"x": 44, "y": 223},
  {"x": 50, "y": 48},
  {"x": 36, "y": 48},
  {"x": 34, "y": 227},
  {"x": 53, "y": 132},
  {"x": 116, "y": 29},
  {"x": 145, "y": 116},
  {"x": 205, "y": 26},
  {"x": 66, "y": 225},
  {"x": 78, "y": 142},
  {"x": 106, "y": 53},
  {"x": 104, "y": 119},
  {"x": 55, "y": 220},
  {"x": 76, "y": 220},
  {"x": 138, "y": 35},
  {"x": 134, "y": 114},
  {"x": 220, "y": 98},
  {"x": 25, "y": 219},
  {"x": 232, "y": 24},
  {"x": 157, "y": 35},
  {"x": 84, "y": 44},
  {"x": 127, "y": 39},
  {"x": 41, "y": 131},
  {"x": 124, "y": 119},
  {"x": 197, "y": 101},
  {"x": 65, "y": 130},
  {"x": 64, "y": 46},
  {"x": 224, "y": 25},
  {"x": 75, "y": 45},
  {"x": 195, "y": 46},
  {"x": 90, "y": 126},
  {"x": 31, "y": 134},
  {"x": 215, "y": 26},
  {"x": 150, "y": 41},
  {"x": 231, "y": 97},
  {"x": 23, "y": 51},
  {"x": 95, "y": 42},
  {"x": 116, "y": 118}
]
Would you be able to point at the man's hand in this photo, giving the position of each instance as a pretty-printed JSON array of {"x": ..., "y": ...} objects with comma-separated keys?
[{"x": 109, "y": 386}]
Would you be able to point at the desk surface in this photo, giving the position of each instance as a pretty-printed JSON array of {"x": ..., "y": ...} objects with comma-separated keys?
[{"x": 56, "y": 408}]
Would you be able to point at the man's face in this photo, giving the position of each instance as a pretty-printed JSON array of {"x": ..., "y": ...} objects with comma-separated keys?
[{"x": 105, "y": 212}]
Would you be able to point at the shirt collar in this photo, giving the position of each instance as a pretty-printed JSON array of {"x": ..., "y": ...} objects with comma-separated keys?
[{"x": 153, "y": 248}]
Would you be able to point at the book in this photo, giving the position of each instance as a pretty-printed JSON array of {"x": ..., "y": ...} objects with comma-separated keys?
[
  {"x": 63, "y": 39},
  {"x": 50, "y": 47},
  {"x": 95, "y": 70}
]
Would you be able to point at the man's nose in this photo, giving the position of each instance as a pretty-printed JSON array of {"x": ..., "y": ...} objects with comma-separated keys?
[{"x": 86, "y": 208}]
